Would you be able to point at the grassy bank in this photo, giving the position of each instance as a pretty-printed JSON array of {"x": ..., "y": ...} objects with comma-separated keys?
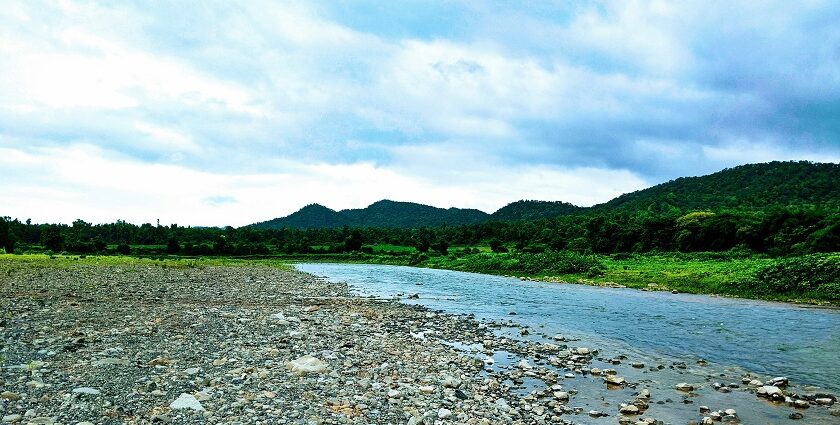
[{"x": 809, "y": 278}]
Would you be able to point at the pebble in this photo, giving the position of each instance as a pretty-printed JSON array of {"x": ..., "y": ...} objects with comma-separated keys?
[
  {"x": 186, "y": 401},
  {"x": 12, "y": 418},
  {"x": 8, "y": 395},
  {"x": 684, "y": 387}
]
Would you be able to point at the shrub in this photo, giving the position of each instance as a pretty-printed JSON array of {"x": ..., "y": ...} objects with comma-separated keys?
[{"x": 811, "y": 276}]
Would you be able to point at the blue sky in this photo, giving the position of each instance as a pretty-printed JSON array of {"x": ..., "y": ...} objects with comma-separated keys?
[{"x": 217, "y": 113}]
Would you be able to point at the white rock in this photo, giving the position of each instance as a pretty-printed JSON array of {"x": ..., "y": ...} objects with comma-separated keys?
[
  {"x": 393, "y": 393},
  {"x": 444, "y": 413},
  {"x": 12, "y": 418},
  {"x": 306, "y": 364},
  {"x": 186, "y": 401},
  {"x": 770, "y": 391},
  {"x": 684, "y": 387},
  {"x": 583, "y": 351},
  {"x": 86, "y": 390},
  {"x": 523, "y": 364},
  {"x": 426, "y": 389}
]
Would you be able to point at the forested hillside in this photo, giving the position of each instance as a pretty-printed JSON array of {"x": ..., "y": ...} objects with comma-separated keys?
[
  {"x": 788, "y": 208},
  {"x": 746, "y": 187},
  {"x": 383, "y": 213},
  {"x": 533, "y": 210}
]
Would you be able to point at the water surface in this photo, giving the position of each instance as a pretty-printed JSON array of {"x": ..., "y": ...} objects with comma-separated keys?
[{"x": 800, "y": 342}]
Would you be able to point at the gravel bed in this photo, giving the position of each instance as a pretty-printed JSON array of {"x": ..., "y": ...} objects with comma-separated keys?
[{"x": 142, "y": 343}]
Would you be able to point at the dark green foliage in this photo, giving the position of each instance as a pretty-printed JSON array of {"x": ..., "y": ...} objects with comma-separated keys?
[
  {"x": 810, "y": 276},
  {"x": 379, "y": 214},
  {"x": 6, "y": 240},
  {"x": 533, "y": 210},
  {"x": 353, "y": 242},
  {"x": 312, "y": 216},
  {"x": 526, "y": 264},
  {"x": 172, "y": 246},
  {"x": 746, "y": 187},
  {"x": 123, "y": 249},
  {"x": 387, "y": 213},
  {"x": 52, "y": 239}
]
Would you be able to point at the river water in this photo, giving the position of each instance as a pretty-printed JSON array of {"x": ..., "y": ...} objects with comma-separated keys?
[{"x": 733, "y": 335}]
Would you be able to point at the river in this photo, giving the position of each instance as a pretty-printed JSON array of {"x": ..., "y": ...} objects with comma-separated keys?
[{"x": 733, "y": 335}]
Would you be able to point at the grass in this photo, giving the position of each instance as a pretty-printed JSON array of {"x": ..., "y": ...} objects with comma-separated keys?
[
  {"x": 176, "y": 262},
  {"x": 809, "y": 279}
]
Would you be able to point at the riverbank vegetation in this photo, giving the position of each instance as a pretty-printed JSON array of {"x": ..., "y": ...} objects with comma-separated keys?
[{"x": 760, "y": 230}]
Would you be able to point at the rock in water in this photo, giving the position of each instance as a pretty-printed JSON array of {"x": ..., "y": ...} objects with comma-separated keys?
[
  {"x": 186, "y": 401},
  {"x": 306, "y": 364},
  {"x": 684, "y": 387}
]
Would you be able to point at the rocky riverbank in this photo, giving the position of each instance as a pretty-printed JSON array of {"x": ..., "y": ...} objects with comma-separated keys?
[{"x": 150, "y": 343}]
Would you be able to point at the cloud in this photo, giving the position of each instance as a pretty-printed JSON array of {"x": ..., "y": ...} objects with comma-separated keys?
[
  {"x": 445, "y": 99},
  {"x": 82, "y": 181}
]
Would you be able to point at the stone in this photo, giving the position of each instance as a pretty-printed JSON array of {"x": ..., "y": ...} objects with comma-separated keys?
[
  {"x": 614, "y": 380},
  {"x": 583, "y": 351},
  {"x": 770, "y": 391},
  {"x": 730, "y": 412},
  {"x": 86, "y": 390},
  {"x": 191, "y": 371},
  {"x": 796, "y": 416},
  {"x": 629, "y": 410},
  {"x": 306, "y": 364},
  {"x": 684, "y": 387},
  {"x": 801, "y": 404},
  {"x": 426, "y": 389},
  {"x": 393, "y": 393},
  {"x": 8, "y": 395},
  {"x": 444, "y": 413},
  {"x": 538, "y": 410},
  {"x": 523, "y": 364},
  {"x": 12, "y": 418},
  {"x": 824, "y": 401},
  {"x": 451, "y": 382},
  {"x": 41, "y": 420},
  {"x": 186, "y": 401}
]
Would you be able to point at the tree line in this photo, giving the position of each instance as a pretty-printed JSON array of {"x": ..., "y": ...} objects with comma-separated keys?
[{"x": 780, "y": 231}]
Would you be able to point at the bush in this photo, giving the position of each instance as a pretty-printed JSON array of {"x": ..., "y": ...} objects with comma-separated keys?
[{"x": 810, "y": 276}]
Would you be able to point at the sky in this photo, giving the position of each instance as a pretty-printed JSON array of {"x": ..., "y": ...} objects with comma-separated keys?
[{"x": 213, "y": 113}]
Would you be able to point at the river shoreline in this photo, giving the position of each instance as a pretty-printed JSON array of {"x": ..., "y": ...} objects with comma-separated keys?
[{"x": 160, "y": 343}]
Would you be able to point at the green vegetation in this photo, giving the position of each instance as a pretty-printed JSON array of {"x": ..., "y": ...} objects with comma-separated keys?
[
  {"x": 384, "y": 213},
  {"x": 761, "y": 231},
  {"x": 534, "y": 210}
]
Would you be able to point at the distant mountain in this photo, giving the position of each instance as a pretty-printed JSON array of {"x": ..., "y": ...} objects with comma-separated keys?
[
  {"x": 383, "y": 213},
  {"x": 388, "y": 213},
  {"x": 747, "y": 187},
  {"x": 534, "y": 210},
  {"x": 312, "y": 216},
  {"x": 751, "y": 186}
]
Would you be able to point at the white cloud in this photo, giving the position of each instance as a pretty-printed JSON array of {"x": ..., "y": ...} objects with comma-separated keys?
[{"x": 60, "y": 185}]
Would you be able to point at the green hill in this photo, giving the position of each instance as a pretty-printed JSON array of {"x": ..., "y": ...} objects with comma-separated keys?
[
  {"x": 383, "y": 213},
  {"x": 754, "y": 187},
  {"x": 746, "y": 187},
  {"x": 388, "y": 213},
  {"x": 533, "y": 210},
  {"x": 312, "y": 216}
]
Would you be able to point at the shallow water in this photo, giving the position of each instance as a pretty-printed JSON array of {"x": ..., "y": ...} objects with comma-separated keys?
[{"x": 733, "y": 335}]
